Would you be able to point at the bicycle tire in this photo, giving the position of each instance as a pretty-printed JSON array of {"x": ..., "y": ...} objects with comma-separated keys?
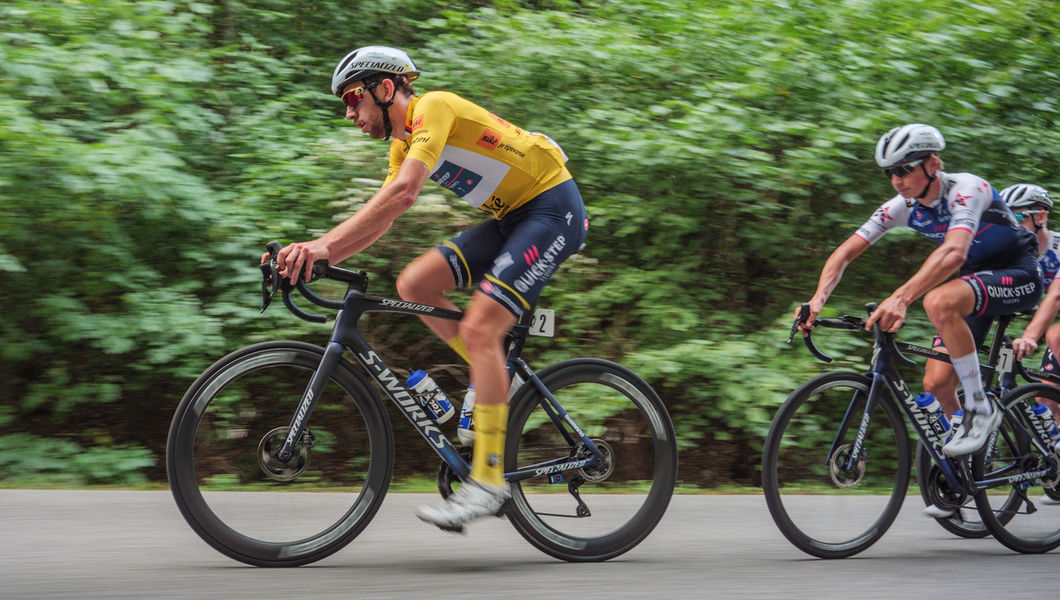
[
  {"x": 628, "y": 420},
  {"x": 809, "y": 497},
  {"x": 225, "y": 481},
  {"x": 1035, "y": 529}
]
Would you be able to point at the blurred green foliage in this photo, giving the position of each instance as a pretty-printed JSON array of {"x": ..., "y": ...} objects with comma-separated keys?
[{"x": 149, "y": 149}]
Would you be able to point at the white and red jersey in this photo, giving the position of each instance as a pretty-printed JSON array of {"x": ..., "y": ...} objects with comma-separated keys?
[{"x": 967, "y": 202}]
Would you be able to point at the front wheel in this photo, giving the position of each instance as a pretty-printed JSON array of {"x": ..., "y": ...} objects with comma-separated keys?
[
  {"x": 1015, "y": 512},
  {"x": 234, "y": 490},
  {"x": 601, "y": 511},
  {"x": 825, "y": 504}
]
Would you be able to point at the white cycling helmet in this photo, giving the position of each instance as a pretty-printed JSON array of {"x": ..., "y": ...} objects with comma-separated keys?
[
  {"x": 908, "y": 143},
  {"x": 370, "y": 60},
  {"x": 1026, "y": 195}
]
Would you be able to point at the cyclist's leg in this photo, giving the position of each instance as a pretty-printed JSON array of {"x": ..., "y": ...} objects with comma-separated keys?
[
  {"x": 456, "y": 263},
  {"x": 946, "y": 306},
  {"x": 939, "y": 377},
  {"x": 941, "y": 380},
  {"x": 483, "y": 329},
  {"x": 980, "y": 294},
  {"x": 426, "y": 281},
  {"x": 538, "y": 237}
]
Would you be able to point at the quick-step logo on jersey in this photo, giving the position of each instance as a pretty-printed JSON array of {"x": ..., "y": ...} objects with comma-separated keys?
[{"x": 456, "y": 178}]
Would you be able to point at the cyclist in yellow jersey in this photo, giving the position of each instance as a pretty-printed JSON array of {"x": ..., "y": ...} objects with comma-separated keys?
[{"x": 539, "y": 220}]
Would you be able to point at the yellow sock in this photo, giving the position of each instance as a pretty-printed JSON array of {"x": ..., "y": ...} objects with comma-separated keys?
[
  {"x": 458, "y": 346},
  {"x": 487, "y": 458}
]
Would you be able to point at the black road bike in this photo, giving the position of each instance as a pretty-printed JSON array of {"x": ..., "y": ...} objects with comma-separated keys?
[
  {"x": 281, "y": 453},
  {"x": 837, "y": 460}
]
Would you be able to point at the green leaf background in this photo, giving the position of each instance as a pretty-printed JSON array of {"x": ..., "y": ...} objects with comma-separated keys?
[{"x": 149, "y": 149}]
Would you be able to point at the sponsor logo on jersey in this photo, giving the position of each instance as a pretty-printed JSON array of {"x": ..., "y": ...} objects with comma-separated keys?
[
  {"x": 513, "y": 150},
  {"x": 458, "y": 272},
  {"x": 417, "y": 123},
  {"x": 884, "y": 213},
  {"x": 503, "y": 122},
  {"x": 531, "y": 254},
  {"x": 1011, "y": 292},
  {"x": 503, "y": 262},
  {"x": 456, "y": 178},
  {"x": 489, "y": 139},
  {"x": 542, "y": 264}
]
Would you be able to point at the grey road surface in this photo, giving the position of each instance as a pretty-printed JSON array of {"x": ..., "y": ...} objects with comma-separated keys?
[{"x": 125, "y": 544}]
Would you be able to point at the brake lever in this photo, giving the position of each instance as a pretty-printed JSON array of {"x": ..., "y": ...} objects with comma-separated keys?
[
  {"x": 804, "y": 313},
  {"x": 270, "y": 282},
  {"x": 270, "y": 274}
]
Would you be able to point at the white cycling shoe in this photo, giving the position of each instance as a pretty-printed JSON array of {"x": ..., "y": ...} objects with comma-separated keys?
[
  {"x": 973, "y": 433},
  {"x": 471, "y": 501},
  {"x": 937, "y": 512}
]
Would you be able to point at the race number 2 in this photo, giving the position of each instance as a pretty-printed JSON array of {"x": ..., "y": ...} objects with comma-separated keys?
[{"x": 543, "y": 323}]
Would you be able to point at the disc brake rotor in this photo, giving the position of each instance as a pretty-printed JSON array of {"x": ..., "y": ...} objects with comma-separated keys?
[
  {"x": 270, "y": 463},
  {"x": 602, "y": 471},
  {"x": 841, "y": 476}
]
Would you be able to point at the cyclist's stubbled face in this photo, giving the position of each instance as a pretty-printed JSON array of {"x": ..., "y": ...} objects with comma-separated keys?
[{"x": 366, "y": 114}]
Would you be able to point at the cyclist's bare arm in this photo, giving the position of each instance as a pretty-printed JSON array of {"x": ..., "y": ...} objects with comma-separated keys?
[
  {"x": 1027, "y": 344},
  {"x": 937, "y": 268},
  {"x": 363, "y": 228},
  {"x": 831, "y": 273}
]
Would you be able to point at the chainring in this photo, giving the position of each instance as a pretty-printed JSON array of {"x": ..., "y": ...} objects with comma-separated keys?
[
  {"x": 447, "y": 476},
  {"x": 941, "y": 493}
]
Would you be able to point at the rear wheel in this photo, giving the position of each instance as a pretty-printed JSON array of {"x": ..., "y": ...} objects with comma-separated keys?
[
  {"x": 601, "y": 511},
  {"x": 1027, "y": 524}
]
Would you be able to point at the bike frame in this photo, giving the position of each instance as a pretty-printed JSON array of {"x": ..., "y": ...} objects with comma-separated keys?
[
  {"x": 884, "y": 375},
  {"x": 347, "y": 335}
]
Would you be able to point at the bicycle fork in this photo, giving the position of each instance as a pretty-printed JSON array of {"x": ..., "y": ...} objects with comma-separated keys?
[
  {"x": 297, "y": 428},
  {"x": 854, "y": 457}
]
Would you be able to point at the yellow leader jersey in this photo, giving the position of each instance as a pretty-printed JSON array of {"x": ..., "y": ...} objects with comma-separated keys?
[{"x": 490, "y": 163}]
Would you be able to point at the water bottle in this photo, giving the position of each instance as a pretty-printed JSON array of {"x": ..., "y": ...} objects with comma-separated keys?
[
  {"x": 517, "y": 382},
  {"x": 928, "y": 403},
  {"x": 430, "y": 396},
  {"x": 463, "y": 428},
  {"x": 1045, "y": 417},
  {"x": 464, "y": 431}
]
